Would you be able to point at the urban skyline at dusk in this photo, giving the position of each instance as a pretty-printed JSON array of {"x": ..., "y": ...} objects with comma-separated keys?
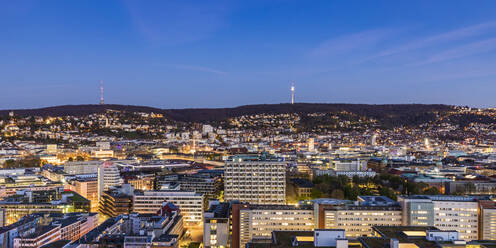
[
  {"x": 176, "y": 54},
  {"x": 247, "y": 124}
]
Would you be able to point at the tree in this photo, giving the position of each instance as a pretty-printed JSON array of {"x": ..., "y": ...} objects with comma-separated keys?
[
  {"x": 337, "y": 194},
  {"x": 431, "y": 191},
  {"x": 316, "y": 193},
  {"x": 385, "y": 191},
  {"x": 79, "y": 158}
]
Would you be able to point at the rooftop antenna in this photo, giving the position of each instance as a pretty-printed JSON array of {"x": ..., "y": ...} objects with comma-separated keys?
[
  {"x": 101, "y": 92},
  {"x": 292, "y": 91}
]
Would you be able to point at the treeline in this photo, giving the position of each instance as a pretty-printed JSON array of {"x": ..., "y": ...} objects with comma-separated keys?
[
  {"x": 27, "y": 162},
  {"x": 342, "y": 187}
]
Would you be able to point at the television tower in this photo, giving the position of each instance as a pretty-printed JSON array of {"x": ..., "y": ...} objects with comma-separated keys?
[
  {"x": 101, "y": 92},
  {"x": 292, "y": 92}
]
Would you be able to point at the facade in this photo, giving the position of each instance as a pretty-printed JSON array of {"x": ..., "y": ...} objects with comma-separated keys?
[
  {"x": 108, "y": 176},
  {"x": 50, "y": 228},
  {"x": 487, "y": 220},
  {"x": 158, "y": 230},
  {"x": 216, "y": 225},
  {"x": 200, "y": 183},
  {"x": 16, "y": 207},
  {"x": 81, "y": 167},
  {"x": 88, "y": 188},
  {"x": 115, "y": 202},
  {"x": 459, "y": 213},
  {"x": 255, "y": 180},
  {"x": 12, "y": 231},
  {"x": 303, "y": 187},
  {"x": 141, "y": 182},
  {"x": 257, "y": 222},
  {"x": 190, "y": 203},
  {"x": 358, "y": 220}
]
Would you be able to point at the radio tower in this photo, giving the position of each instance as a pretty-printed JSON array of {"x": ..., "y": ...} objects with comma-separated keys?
[
  {"x": 292, "y": 92},
  {"x": 101, "y": 92}
]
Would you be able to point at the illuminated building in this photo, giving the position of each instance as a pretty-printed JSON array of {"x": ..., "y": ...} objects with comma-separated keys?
[
  {"x": 487, "y": 220},
  {"x": 357, "y": 220},
  {"x": 251, "y": 222},
  {"x": 459, "y": 213},
  {"x": 108, "y": 176},
  {"x": 190, "y": 203},
  {"x": 255, "y": 179},
  {"x": 54, "y": 227},
  {"x": 116, "y": 201},
  {"x": 216, "y": 225},
  {"x": 88, "y": 188},
  {"x": 54, "y": 201}
]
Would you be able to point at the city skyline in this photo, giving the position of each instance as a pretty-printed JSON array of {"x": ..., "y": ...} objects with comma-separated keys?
[{"x": 225, "y": 54}]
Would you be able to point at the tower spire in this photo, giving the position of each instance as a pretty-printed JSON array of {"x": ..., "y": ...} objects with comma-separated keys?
[
  {"x": 101, "y": 92},
  {"x": 292, "y": 91}
]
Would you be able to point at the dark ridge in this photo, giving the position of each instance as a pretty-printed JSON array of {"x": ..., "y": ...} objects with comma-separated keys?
[{"x": 404, "y": 112}]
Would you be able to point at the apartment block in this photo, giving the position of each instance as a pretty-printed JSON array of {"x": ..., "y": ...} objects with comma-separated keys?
[{"x": 255, "y": 180}]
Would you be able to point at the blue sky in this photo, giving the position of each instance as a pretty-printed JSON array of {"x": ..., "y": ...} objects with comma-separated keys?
[{"x": 176, "y": 54}]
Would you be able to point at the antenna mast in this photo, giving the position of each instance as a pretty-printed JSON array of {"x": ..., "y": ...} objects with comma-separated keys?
[
  {"x": 292, "y": 92},
  {"x": 101, "y": 92}
]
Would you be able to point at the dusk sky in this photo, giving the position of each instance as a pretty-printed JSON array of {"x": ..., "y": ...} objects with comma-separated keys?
[{"x": 177, "y": 54}]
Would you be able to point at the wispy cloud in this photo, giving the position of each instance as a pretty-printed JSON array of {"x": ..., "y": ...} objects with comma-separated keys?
[
  {"x": 350, "y": 42},
  {"x": 466, "y": 50},
  {"x": 200, "y": 69},
  {"x": 438, "y": 39},
  {"x": 176, "y": 22}
]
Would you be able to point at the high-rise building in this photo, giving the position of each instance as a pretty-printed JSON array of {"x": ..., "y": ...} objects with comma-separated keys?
[
  {"x": 108, "y": 176},
  {"x": 459, "y": 213},
  {"x": 255, "y": 180},
  {"x": 311, "y": 144}
]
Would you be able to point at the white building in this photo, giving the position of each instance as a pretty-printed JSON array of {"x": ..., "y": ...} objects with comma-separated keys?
[
  {"x": 256, "y": 180},
  {"x": 189, "y": 202},
  {"x": 82, "y": 167},
  {"x": 457, "y": 213},
  {"x": 108, "y": 176},
  {"x": 257, "y": 222}
]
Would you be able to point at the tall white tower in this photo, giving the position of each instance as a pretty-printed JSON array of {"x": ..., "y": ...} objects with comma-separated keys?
[
  {"x": 101, "y": 92},
  {"x": 292, "y": 92}
]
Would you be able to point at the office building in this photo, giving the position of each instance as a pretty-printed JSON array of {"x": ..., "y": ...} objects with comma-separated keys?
[
  {"x": 256, "y": 222},
  {"x": 54, "y": 201},
  {"x": 216, "y": 225},
  {"x": 116, "y": 201},
  {"x": 357, "y": 220},
  {"x": 108, "y": 176},
  {"x": 81, "y": 167},
  {"x": 50, "y": 228},
  {"x": 157, "y": 230},
  {"x": 459, "y": 213},
  {"x": 487, "y": 220},
  {"x": 190, "y": 203},
  {"x": 203, "y": 183},
  {"x": 87, "y": 188},
  {"x": 255, "y": 180}
]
